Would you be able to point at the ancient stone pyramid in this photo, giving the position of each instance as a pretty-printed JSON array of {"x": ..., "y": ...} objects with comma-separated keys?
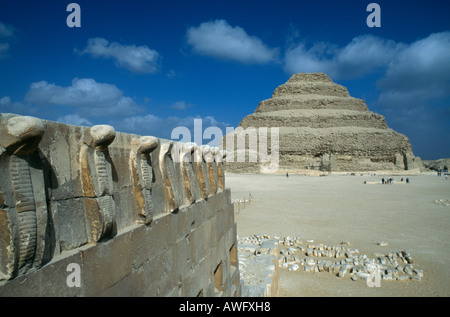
[{"x": 322, "y": 127}]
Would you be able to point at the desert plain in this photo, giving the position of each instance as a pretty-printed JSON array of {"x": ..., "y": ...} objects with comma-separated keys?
[{"x": 372, "y": 217}]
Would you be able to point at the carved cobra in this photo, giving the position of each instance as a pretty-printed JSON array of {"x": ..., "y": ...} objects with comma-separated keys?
[
  {"x": 100, "y": 137},
  {"x": 25, "y": 208},
  {"x": 147, "y": 144},
  {"x": 186, "y": 151},
  {"x": 220, "y": 170},
  {"x": 20, "y": 137}
]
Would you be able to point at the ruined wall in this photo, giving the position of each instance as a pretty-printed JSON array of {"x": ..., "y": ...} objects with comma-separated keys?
[{"x": 140, "y": 216}]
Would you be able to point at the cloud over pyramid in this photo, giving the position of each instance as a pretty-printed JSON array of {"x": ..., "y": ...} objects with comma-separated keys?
[{"x": 321, "y": 127}]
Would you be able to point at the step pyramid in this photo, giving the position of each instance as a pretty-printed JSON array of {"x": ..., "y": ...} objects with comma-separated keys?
[{"x": 321, "y": 127}]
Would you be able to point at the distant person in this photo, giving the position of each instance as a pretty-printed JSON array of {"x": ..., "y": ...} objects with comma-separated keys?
[
  {"x": 446, "y": 176},
  {"x": 407, "y": 180},
  {"x": 287, "y": 175},
  {"x": 382, "y": 180}
]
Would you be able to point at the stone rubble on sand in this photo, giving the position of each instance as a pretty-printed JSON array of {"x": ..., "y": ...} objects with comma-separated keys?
[
  {"x": 444, "y": 202},
  {"x": 340, "y": 259},
  {"x": 257, "y": 264},
  {"x": 392, "y": 266}
]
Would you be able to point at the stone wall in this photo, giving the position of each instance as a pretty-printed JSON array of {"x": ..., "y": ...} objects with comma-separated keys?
[{"x": 139, "y": 216}]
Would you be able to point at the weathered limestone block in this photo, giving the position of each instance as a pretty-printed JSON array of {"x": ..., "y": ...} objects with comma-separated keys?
[
  {"x": 142, "y": 173},
  {"x": 70, "y": 219},
  {"x": 412, "y": 162},
  {"x": 60, "y": 147},
  {"x": 97, "y": 182},
  {"x": 399, "y": 161},
  {"x": 328, "y": 162},
  {"x": 23, "y": 208}
]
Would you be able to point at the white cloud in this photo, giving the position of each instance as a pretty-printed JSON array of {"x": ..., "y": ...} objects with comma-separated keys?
[
  {"x": 220, "y": 40},
  {"x": 172, "y": 74},
  {"x": 74, "y": 119},
  {"x": 7, "y": 32},
  {"x": 180, "y": 105},
  {"x": 5, "y": 102},
  {"x": 413, "y": 75},
  {"x": 415, "y": 93},
  {"x": 423, "y": 66},
  {"x": 7, "y": 105},
  {"x": 4, "y": 47},
  {"x": 92, "y": 99},
  {"x": 423, "y": 63},
  {"x": 363, "y": 55},
  {"x": 138, "y": 59},
  {"x": 414, "y": 84},
  {"x": 417, "y": 76}
]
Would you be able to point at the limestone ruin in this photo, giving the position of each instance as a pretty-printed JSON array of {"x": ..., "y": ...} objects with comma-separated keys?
[
  {"x": 321, "y": 127},
  {"x": 139, "y": 216},
  {"x": 258, "y": 253}
]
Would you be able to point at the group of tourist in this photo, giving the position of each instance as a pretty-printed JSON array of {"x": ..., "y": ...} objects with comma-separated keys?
[
  {"x": 391, "y": 180},
  {"x": 439, "y": 173}
]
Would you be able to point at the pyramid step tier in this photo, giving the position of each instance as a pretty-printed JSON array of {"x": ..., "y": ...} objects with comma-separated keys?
[
  {"x": 310, "y": 88},
  {"x": 312, "y": 102},
  {"x": 355, "y": 141},
  {"x": 323, "y": 118}
]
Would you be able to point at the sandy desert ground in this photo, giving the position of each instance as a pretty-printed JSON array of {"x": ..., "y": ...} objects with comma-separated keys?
[{"x": 338, "y": 208}]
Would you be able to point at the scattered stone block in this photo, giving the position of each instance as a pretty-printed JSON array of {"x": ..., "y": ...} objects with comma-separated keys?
[
  {"x": 408, "y": 270},
  {"x": 359, "y": 266},
  {"x": 418, "y": 272},
  {"x": 362, "y": 275},
  {"x": 342, "y": 271}
]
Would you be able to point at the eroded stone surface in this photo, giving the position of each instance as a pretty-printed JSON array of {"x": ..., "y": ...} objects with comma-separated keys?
[
  {"x": 23, "y": 209},
  {"x": 72, "y": 194}
]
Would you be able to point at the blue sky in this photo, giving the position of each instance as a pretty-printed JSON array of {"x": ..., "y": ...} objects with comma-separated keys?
[{"x": 146, "y": 67}]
